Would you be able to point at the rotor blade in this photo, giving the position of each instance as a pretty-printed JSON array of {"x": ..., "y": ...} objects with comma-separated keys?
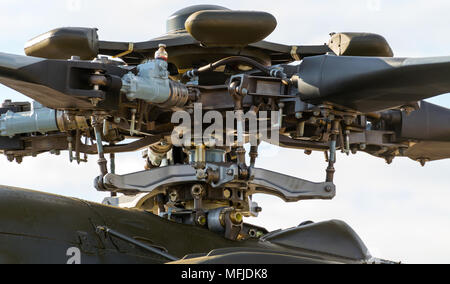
[
  {"x": 427, "y": 130},
  {"x": 431, "y": 126},
  {"x": 58, "y": 84},
  {"x": 429, "y": 123},
  {"x": 429, "y": 151},
  {"x": 367, "y": 84}
]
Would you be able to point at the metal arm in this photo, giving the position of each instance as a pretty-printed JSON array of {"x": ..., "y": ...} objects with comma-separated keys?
[{"x": 155, "y": 181}]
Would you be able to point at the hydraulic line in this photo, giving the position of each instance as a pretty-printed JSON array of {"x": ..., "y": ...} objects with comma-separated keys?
[{"x": 225, "y": 61}]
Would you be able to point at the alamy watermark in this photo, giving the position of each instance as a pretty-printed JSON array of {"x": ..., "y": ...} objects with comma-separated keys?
[{"x": 238, "y": 128}]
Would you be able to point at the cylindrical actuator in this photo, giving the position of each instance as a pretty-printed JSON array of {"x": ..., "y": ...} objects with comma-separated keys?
[{"x": 38, "y": 119}]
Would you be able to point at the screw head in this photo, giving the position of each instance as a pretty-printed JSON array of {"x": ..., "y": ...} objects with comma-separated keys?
[
  {"x": 348, "y": 120},
  {"x": 227, "y": 193},
  {"x": 252, "y": 233},
  {"x": 201, "y": 174},
  {"x": 201, "y": 220},
  {"x": 236, "y": 218},
  {"x": 197, "y": 190},
  {"x": 173, "y": 196}
]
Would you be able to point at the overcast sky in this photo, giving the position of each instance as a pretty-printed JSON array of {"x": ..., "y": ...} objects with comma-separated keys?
[{"x": 400, "y": 211}]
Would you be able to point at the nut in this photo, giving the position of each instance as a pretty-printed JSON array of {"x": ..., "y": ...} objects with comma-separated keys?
[
  {"x": 226, "y": 193},
  {"x": 197, "y": 191},
  {"x": 201, "y": 174},
  {"x": 173, "y": 196},
  {"x": 236, "y": 218}
]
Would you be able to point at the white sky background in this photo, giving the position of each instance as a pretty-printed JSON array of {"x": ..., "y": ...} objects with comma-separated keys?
[{"x": 400, "y": 211}]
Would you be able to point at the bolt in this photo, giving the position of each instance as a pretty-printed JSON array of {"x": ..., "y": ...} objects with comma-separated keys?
[
  {"x": 173, "y": 196},
  {"x": 328, "y": 188},
  {"x": 236, "y": 218},
  {"x": 95, "y": 101},
  {"x": 348, "y": 120},
  {"x": 19, "y": 159},
  {"x": 201, "y": 220},
  {"x": 227, "y": 193},
  {"x": 423, "y": 162},
  {"x": 197, "y": 191},
  {"x": 389, "y": 159},
  {"x": 201, "y": 174},
  {"x": 230, "y": 172}
]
